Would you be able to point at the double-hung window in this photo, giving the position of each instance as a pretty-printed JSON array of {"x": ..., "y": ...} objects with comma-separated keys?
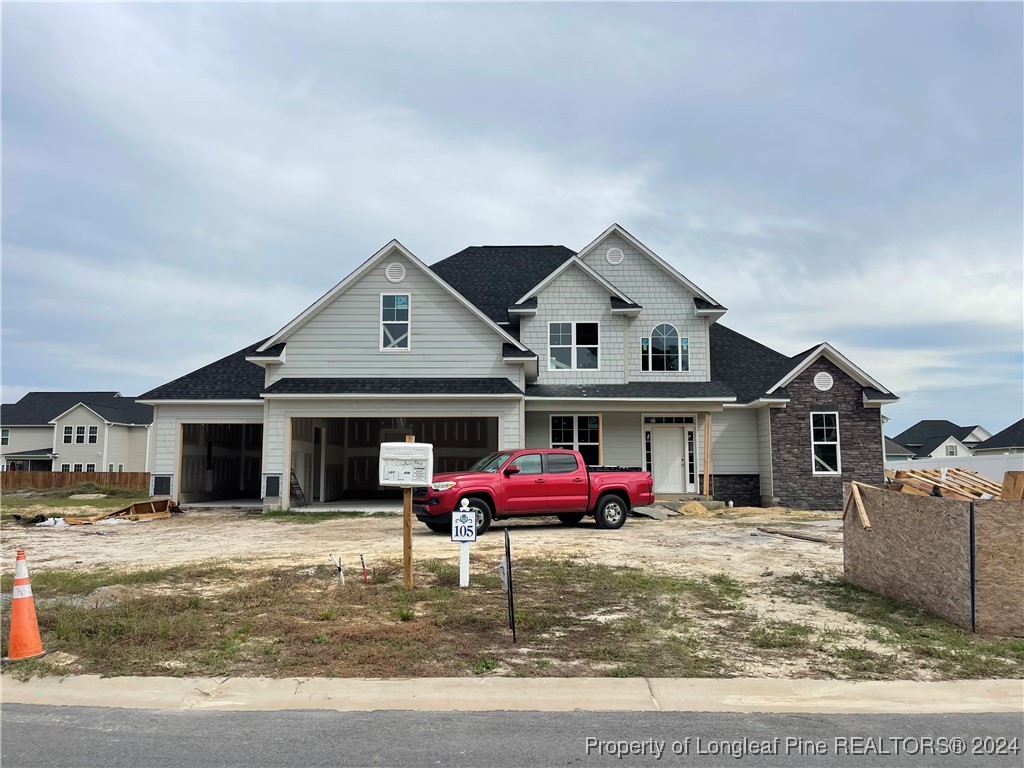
[
  {"x": 825, "y": 443},
  {"x": 5, "y": 436},
  {"x": 578, "y": 433},
  {"x": 90, "y": 467},
  {"x": 78, "y": 467},
  {"x": 65, "y": 467},
  {"x": 573, "y": 346},
  {"x": 951, "y": 450},
  {"x": 394, "y": 321},
  {"x": 69, "y": 434},
  {"x": 79, "y": 434},
  {"x": 664, "y": 350},
  {"x": 93, "y": 434}
]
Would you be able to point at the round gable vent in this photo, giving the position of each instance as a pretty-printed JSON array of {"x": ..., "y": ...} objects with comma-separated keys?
[
  {"x": 395, "y": 272},
  {"x": 614, "y": 256},
  {"x": 823, "y": 381}
]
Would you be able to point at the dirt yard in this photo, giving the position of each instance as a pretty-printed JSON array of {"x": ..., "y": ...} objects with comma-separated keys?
[{"x": 717, "y": 543}]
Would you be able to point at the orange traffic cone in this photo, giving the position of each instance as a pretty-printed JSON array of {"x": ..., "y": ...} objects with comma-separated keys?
[{"x": 24, "y": 642}]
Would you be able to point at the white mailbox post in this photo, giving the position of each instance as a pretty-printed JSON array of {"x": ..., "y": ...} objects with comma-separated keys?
[
  {"x": 464, "y": 532},
  {"x": 405, "y": 465}
]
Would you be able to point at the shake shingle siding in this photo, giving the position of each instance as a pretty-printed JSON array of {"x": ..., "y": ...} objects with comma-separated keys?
[{"x": 860, "y": 435}]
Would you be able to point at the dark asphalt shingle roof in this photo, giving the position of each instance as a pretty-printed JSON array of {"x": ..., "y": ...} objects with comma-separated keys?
[
  {"x": 892, "y": 448},
  {"x": 230, "y": 378},
  {"x": 39, "y": 408},
  {"x": 875, "y": 394},
  {"x": 378, "y": 386},
  {"x": 42, "y": 452},
  {"x": 618, "y": 303},
  {"x": 1011, "y": 437},
  {"x": 273, "y": 351},
  {"x": 705, "y": 304},
  {"x": 668, "y": 390},
  {"x": 927, "y": 435},
  {"x": 494, "y": 277},
  {"x": 746, "y": 366}
]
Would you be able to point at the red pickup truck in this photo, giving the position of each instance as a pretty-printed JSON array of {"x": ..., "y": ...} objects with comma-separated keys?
[{"x": 534, "y": 481}]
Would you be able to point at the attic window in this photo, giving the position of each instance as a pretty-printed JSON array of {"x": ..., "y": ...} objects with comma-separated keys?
[
  {"x": 614, "y": 256},
  {"x": 823, "y": 381},
  {"x": 395, "y": 272}
]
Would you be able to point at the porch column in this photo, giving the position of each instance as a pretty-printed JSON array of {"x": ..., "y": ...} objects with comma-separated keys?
[{"x": 707, "y": 455}]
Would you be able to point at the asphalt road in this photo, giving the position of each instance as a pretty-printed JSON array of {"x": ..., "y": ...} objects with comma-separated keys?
[{"x": 82, "y": 737}]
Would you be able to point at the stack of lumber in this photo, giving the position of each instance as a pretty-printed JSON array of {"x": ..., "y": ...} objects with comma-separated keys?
[{"x": 950, "y": 483}]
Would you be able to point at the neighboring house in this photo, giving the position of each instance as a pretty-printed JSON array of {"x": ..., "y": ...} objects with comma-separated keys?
[
  {"x": 939, "y": 439},
  {"x": 75, "y": 432},
  {"x": 1009, "y": 440},
  {"x": 896, "y": 452},
  {"x": 609, "y": 351}
]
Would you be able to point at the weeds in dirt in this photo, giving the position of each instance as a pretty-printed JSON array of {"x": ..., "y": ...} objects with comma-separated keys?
[
  {"x": 930, "y": 641},
  {"x": 310, "y": 516},
  {"x": 780, "y": 634}
]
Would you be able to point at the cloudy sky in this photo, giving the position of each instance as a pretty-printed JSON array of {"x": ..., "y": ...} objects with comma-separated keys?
[{"x": 181, "y": 180}]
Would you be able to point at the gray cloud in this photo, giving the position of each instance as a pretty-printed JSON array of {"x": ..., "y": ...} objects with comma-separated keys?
[{"x": 846, "y": 172}]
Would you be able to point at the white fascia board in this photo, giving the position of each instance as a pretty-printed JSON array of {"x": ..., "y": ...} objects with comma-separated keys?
[
  {"x": 570, "y": 262},
  {"x": 358, "y": 274},
  {"x": 263, "y": 360},
  {"x": 672, "y": 271},
  {"x": 714, "y": 313},
  {"x": 387, "y": 396},
  {"x": 662, "y": 400},
  {"x": 880, "y": 401},
  {"x": 628, "y": 311},
  {"x": 760, "y": 402},
  {"x": 836, "y": 357},
  {"x": 200, "y": 402},
  {"x": 521, "y": 311},
  {"x": 76, "y": 405}
]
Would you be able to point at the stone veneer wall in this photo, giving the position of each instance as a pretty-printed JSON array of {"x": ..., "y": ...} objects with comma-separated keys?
[
  {"x": 741, "y": 490},
  {"x": 860, "y": 440}
]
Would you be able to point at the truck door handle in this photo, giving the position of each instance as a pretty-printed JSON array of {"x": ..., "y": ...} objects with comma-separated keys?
[
  {"x": 539, "y": 480},
  {"x": 577, "y": 479}
]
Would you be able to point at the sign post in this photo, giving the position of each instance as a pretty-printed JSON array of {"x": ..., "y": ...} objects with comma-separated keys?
[
  {"x": 406, "y": 465},
  {"x": 464, "y": 532}
]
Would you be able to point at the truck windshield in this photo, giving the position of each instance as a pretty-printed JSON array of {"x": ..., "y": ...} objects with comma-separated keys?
[{"x": 490, "y": 463}]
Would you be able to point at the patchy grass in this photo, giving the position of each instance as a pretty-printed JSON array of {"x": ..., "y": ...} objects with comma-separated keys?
[
  {"x": 573, "y": 619},
  {"x": 924, "y": 641},
  {"x": 11, "y": 505}
]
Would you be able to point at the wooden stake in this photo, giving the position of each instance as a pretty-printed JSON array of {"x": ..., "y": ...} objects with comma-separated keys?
[
  {"x": 860, "y": 507},
  {"x": 407, "y": 528},
  {"x": 707, "y": 456}
]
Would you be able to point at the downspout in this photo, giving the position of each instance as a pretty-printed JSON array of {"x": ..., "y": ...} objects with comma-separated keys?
[{"x": 106, "y": 442}]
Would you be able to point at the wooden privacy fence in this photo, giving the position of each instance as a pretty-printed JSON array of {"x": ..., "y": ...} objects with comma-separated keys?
[
  {"x": 961, "y": 560},
  {"x": 42, "y": 481}
]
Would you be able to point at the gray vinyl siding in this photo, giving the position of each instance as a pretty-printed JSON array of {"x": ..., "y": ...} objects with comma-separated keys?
[
  {"x": 620, "y": 433},
  {"x": 280, "y": 412},
  {"x": 135, "y": 457},
  {"x": 573, "y": 297},
  {"x": 343, "y": 338},
  {"x": 167, "y": 421},
  {"x": 734, "y": 446},
  {"x": 28, "y": 439},
  {"x": 664, "y": 300},
  {"x": 764, "y": 451},
  {"x": 79, "y": 453},
  {"x": 118, "y": 443}
]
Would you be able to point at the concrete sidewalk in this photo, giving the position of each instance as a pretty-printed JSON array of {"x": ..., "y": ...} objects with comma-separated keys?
[{"x": 543, "y": 694}]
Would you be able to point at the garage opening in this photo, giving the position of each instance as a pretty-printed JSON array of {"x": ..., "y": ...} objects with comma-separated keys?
[
  {"x": 220, "y": 462},
  {"x": 336, "y": 459}
]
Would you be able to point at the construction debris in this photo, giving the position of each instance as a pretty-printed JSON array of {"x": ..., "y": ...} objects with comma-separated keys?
[
  {"x": 1013, "y": 486},
  {"x": 140, "y": 510},
  {"x": 949, "y": 483},
  {"x": 798, "y": 535}
]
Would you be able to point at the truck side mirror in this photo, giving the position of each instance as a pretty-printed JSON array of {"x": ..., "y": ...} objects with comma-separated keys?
[{"x": 513, "y": 469}]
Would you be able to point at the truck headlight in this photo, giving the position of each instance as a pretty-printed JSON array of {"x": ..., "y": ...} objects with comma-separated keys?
[{"x": 443, "y": 486}]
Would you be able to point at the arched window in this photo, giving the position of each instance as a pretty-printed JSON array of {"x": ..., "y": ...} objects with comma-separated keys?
[{"x": 665, "y": 350}]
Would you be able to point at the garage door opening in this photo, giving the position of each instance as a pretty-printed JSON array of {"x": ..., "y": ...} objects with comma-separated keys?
[
  {"x": 220, "y": 461},
  {"x": 336, "y": 459}
]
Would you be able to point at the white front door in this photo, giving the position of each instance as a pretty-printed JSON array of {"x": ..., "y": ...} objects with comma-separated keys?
[{"x": 667, "y": 460}]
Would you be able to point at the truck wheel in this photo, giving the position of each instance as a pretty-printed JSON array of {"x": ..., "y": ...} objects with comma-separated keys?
[
  {"x": 483, "y": 514},
  {"x": 573, "y": 519},
  {"x": 611, "y": 512}
]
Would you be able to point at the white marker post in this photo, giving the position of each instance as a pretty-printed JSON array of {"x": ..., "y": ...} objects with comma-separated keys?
[{"x": 464, "y": 532}]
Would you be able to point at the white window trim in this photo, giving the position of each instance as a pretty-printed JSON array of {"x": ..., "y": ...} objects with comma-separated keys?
[
  {"x": 76, "y": 467},
  {"x": 380, "y": 323},
  {"x": 838, "y": 444},
  {"x": 951, "y": 450},
  {"x": 650, "y": 350},
  {"x": 85, "y": 434},
  {"x": 575, "y": 431},
  {"x": 574, "y": 345},
  {"x": 67, "y": 435},
  {"x": 65, "y": 467},
  {"x": 5, "y": 436},
  {"x": 89, "y": 434},
  {"x": 90, "y": 465},
  {"x": 120, "y": 467}
]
